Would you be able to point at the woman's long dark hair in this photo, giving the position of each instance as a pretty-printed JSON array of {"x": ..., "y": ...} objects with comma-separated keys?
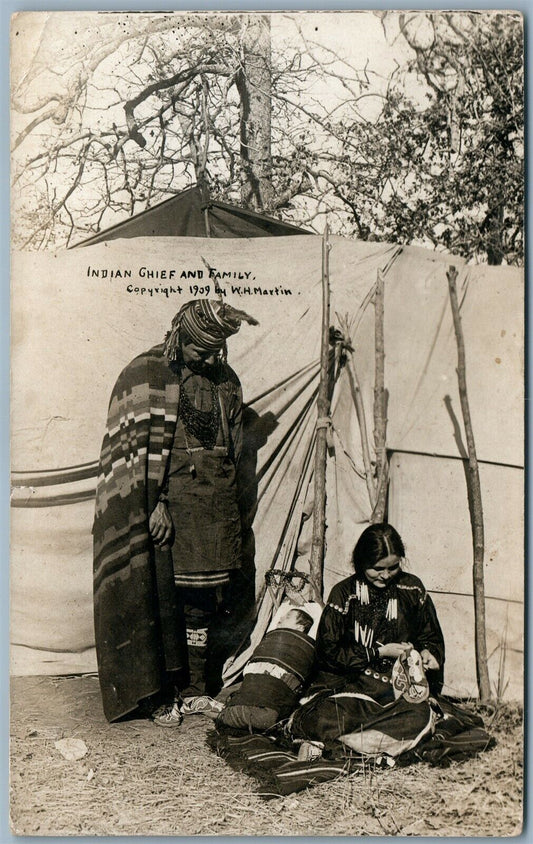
[{"x": 376, "y": 542}]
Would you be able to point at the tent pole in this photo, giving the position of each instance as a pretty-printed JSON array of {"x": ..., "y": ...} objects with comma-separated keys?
[
  {"x": 322, "y": 424},
  {"x": 475, "y": 502},
  {"x": 355, "y": 389},
  {"x": 204, "y": 192},
  {"x": 380, "y": 403}
]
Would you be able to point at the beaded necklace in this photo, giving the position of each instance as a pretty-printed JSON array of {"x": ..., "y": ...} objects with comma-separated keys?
[{"x": 201, "y": 424}]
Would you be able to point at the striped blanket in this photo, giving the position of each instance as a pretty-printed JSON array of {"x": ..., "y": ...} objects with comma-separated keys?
[
  {"x": 437, "y": 731},
  {"x": 139, "y": 629},
  {"x": 135, "y": 611},
  {"x": 454, "y": 734},
  {"x": 275, "y": 765}
]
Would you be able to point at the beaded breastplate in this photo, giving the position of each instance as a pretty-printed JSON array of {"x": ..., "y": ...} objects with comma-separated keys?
[{"x": 201, "y": 424}]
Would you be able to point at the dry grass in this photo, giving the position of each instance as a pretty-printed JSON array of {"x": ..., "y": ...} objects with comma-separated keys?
[{"x": 139, "y": 779}]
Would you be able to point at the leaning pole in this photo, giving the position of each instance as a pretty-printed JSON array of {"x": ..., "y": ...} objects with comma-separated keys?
[
  {"x": 316, "y": 565},
  {"x": 474, "y": 489}
]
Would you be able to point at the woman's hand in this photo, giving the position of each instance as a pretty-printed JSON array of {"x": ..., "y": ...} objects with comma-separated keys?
[
  {"x": 394, "y": 649},
  {"x": 429, "y": 662},
  {"x": 160, "y": 525}
]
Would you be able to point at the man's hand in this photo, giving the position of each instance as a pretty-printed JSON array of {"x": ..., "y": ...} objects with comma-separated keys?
[
  {"x": 160, "y": 525},
  {"x": 428, "y": 661},
  {"x": 394, "y": 649}
]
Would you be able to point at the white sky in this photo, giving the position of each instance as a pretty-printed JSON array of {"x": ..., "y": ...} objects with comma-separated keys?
[
  {"x": 357, "y": 36},
  {"x": 55, "y": 43}
]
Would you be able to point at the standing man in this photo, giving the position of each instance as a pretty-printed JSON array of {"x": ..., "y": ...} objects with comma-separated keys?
[{"x": 167, "y": 531}]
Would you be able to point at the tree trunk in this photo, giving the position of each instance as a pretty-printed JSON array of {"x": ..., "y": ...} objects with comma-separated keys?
[
  {"x": 494, "y": 225},
  {"x": 254, "y": 84}
]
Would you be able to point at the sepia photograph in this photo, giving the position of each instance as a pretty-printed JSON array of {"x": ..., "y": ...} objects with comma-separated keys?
[{"x": 267, "y": 564}]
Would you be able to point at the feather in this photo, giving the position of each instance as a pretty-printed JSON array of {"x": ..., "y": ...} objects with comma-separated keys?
[{"x": 235, "y": 313}]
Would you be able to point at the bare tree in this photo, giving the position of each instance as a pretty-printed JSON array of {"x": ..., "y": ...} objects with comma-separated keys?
[
  {"x": 144, "y": 105},
  {"x": 127, "y": 109}
]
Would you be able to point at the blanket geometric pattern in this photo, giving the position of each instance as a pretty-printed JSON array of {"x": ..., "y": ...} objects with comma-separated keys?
[
  {"x": 135, "y": 643},
  {"x": 273, "y": 759}
]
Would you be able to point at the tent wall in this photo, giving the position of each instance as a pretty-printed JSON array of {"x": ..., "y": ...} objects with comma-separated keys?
[
  {"x": 424, "y": 412},
  {"x": 93, "y": 318},
  {"x": 89, "y": 327},
  {"x": 428, "y": 505}
]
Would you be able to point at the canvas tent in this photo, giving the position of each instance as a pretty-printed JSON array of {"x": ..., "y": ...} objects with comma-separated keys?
[
  {"x": 192, "y": 213},
  {"x": 79, "y": 316}
]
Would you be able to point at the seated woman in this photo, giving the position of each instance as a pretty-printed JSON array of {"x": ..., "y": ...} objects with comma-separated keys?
[{"x": 378, "y": 619}]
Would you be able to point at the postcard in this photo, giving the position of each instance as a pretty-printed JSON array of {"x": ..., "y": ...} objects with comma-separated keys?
[{"x": 267, "y": 569}]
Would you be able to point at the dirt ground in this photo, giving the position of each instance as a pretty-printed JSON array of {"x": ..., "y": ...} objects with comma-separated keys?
[{"x": 140, "y": 779}]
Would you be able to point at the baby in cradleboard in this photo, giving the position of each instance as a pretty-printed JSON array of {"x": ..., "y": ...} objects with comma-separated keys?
[{"x": 273, "y": 678}]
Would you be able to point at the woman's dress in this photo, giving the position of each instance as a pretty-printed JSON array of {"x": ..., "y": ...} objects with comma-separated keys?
[{"x": 352, "y": 698}]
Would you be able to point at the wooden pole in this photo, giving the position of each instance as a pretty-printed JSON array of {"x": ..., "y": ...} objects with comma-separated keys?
[
  {"x": 361, "y": 419},
  {"x": 323, "y": 420},
  {"x": 475, "y": 502},
  {"x": 355, "y": 389},
  {"x": 380, "y": 403}
]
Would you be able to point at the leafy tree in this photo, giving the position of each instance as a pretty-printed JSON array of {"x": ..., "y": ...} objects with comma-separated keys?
[{"x": 443, "y": 162}]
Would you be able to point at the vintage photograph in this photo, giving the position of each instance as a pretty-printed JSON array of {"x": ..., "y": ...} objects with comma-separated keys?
[{"x": 267, "y": 423}]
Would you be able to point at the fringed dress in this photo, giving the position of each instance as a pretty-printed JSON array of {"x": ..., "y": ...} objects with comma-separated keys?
[
  {"x": 350, "y": 714},
  {"x": 352, "y": 698}
]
